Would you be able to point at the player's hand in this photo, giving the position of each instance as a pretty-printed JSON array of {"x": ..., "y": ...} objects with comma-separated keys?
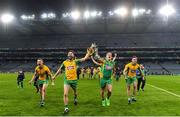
[
  {"x": 143, "y": 78},
  {"x": 53, "y": 78},
  {"x": 115, "y": 54},
  {"x": 90, "y": 51}
]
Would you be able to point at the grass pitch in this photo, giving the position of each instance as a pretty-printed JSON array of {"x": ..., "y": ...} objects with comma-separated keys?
[{"x": 19, "y": 102}]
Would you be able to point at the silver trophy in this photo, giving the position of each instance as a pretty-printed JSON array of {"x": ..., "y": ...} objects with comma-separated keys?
[{"x": 95, "y": 51}]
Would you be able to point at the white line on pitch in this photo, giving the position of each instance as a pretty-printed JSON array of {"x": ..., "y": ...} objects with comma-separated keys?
[{"x": 164, "y": 90}]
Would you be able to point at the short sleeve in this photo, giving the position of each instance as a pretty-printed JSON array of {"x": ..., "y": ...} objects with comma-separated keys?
[
  {"x": 126, "y": 66},
  {"x": 36, "y": 69},
  {"x": 48, "y": 70},
  {"x": 138, "y": 66}
]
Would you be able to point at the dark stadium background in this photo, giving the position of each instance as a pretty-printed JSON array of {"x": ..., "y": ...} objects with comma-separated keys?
[{"x": 152, "y": 39}]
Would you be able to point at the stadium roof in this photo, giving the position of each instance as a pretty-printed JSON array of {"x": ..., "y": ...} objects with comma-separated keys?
[
  {"x": 103, "y": 25},
  {"x": 31, "y": 6}
]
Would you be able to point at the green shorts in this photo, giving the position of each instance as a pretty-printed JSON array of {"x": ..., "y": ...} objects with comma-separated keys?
[
  {"x": 72, "y": 83},
  {"x": 41, "y": 82},
  {"x": 130, "y": 80},
  {"x": 103, "y": 82}
]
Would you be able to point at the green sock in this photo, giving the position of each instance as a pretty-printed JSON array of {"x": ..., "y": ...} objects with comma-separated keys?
[{"x": 66, "y": 106}]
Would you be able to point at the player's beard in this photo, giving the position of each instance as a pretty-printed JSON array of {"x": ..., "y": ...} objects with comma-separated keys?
[
  {"x": 134, "y": 63},
  {"x": 70, "y": 57}
]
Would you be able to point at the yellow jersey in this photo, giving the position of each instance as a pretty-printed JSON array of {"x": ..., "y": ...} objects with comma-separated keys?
[
  {"x": 99, "y": 72},
  {"x": 88, "y": 71},
  {"x": 94, "y": 71},
  {"x": 82, "y": 71},
  {"x": 42, "y": 72},
  {"x": 70, "y": 67},
  {"x": 131, "y": 69}
]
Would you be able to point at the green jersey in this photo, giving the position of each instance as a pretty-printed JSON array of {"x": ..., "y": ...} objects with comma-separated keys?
[
  {"x": 141, "y": 73},
  {"x": 107, "y": 69}
]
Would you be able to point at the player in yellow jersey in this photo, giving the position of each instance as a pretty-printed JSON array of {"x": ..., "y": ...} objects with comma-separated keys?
[
  {"x": 130, "y": 76},
  {"x": 94, "y": 73},
  {"x": 82, "y": 72},
  {"x": 70, "y": 79},
  {"x": 99, "y": 73},
  {"x": 88, "y": 71},
  {"x": 43, "y": 73}
]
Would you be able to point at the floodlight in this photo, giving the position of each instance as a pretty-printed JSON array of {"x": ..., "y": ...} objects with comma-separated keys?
[
  {"x": 51, "y": 15},
  {"x": 28, "y": 17},
  {"x": 142, "y": 11},
  {"x": 148, "y": 11},
  {"x": 121, "y": 11},
  {"x": 111, "y": 13},
  {"x": 7, "y": 18},
  {"x": 65, "y": 15},
  {"x": 24, "y": 17},
  {"x": 94, "y": 13},
  {"x": 135, "y": 12},
  {"x": 44, "y": 16},
  {"x": 167, "y": 10},
  {"x": 86, "y": 14},
  {"x": 75, "y": 15}
]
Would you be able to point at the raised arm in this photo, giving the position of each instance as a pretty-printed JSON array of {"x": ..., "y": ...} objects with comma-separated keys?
[
  {"x": 115, "y": 55},
  {"x": 85, "y": 57},
  {"x": 95, "y": 62}
]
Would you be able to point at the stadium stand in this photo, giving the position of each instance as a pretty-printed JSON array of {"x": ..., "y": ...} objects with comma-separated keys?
[
  {"x": 158, "y": 51},
  {"x": 157, "y": 60},
  {"x": 111, "y": 40}
]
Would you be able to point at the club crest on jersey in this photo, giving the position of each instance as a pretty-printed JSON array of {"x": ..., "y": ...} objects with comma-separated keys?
[
  {"x": 133, "y": 71},
  {"x": 108, "y": 67},
  {"x": 70, "y": 67},
  {"x": 138, "y": 72}
]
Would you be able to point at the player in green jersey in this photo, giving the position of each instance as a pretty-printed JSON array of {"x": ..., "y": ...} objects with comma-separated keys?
[
  {"x": 140, "y": 78},
  {"x": 107, "y": 67}
]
